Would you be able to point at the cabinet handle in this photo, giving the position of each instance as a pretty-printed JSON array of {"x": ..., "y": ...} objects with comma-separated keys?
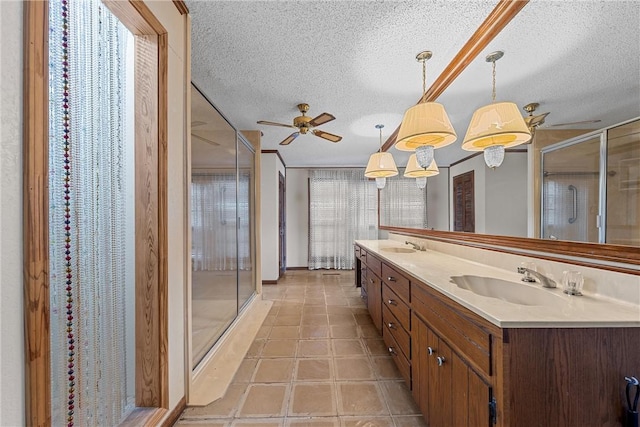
[
  {"x": 440, "y": 360},
  {"x": 391, "y": 279},
  {"x": 392, "y": 351},
  {"x": 390, "y": 325},
  {"x": 392, "y": 302},
  {"x": 430, "y": 351}
]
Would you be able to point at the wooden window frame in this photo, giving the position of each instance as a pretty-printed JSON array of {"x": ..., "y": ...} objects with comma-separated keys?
[{"x": 151, "y": 280}]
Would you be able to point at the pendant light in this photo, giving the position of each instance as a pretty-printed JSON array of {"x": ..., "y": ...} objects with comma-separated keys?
[
  {"x": 414, "y": 170},
  {"x": 381, "y": 165},
  {"x": 496, "y": 126},
  {"x": 425, "y": 126}
]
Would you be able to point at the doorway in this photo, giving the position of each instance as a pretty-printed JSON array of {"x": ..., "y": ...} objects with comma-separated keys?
[
  {"x": 464, "y": 203},
  {"x": 282, "y": 246}
]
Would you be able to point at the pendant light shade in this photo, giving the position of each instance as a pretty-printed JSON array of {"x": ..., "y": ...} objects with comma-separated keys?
[
  {"x": 425, "y": 126},
  {"x": 414, "y": 170},
  {"x": 381, "y": 165},
  {"x": 496, "y": 126}
]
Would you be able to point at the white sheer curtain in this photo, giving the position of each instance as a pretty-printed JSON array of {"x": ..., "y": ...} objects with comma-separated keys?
[
  {"x": 343, "y": 207},
  {"x": 403, "y": 204},
  {"x": 213, "y": 218},
  {"x": 90, "y": 217}
]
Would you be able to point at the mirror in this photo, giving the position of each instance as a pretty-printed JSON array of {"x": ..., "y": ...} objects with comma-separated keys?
[{"x": 575, "y": 67}]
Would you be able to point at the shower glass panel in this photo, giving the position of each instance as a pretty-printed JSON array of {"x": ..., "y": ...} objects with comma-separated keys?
[
  {"x": 214, "y": 249},
  {"x": 571, "y": 191},
  {"x": 623, "y": 184},
  {"x": 246, "y": 229}
]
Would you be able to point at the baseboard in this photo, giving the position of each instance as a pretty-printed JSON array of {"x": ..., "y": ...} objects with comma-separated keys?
[
  {"x": 297, "y": 268},
  {"x": 173, "y": 416},
  {"x": 269, "y": 282}
]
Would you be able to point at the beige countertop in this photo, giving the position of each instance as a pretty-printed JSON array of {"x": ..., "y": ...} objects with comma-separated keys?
[{"x": 564, "y": 311}]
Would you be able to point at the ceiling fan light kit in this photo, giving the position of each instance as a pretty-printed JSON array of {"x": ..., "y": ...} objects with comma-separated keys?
[
  {"x": 426, "y": 125},
  {"x": 381, "y": 165},
  {"x": 496, "y": 126},
  {"x": 304, "y": 124}
]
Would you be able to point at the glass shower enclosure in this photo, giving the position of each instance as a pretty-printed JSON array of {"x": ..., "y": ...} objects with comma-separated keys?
[{"x": 591, "y": 187}]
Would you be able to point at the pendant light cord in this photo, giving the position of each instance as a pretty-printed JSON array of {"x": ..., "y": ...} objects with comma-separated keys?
[
  {"x": 493, "y": 93},
  {"x": 380, "y": 127},
  {"x": 424, "y": 76}
]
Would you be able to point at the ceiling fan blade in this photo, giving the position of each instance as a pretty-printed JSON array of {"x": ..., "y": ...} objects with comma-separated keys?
[
  {"x": 328, "y": 136},
  {"x": 203, "y": 139},
  {"x": 263, "y": 122},
  {"x": 290, "y": 138},
  {"x": 321, "y": 119},
  {"x": 533, "y": 121},
  {"x": 583, "y": 122}
]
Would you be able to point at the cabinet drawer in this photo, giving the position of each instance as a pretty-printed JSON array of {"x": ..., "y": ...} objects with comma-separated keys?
[
  {"x": 392, "y": 326},
  {"x": 461, "y": 333},
  {"x": 399, "y": 309},
  {"x": 396, "y": 281},
  {"x": 374, "y": 264},
  {"x": 401, "y": 362}
]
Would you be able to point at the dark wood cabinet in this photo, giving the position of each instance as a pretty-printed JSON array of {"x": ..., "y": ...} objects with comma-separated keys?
[{"x": 374, "y": 299}]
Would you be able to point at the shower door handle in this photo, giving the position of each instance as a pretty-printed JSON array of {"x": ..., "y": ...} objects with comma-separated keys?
[{"x": 574, "y": 191}]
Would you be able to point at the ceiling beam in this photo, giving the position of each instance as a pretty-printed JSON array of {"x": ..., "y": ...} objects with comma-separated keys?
[{"x": 499, "y": 17}]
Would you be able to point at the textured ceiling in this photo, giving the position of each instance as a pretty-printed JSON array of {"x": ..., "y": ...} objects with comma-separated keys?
[{"x": 356, "y": 60}]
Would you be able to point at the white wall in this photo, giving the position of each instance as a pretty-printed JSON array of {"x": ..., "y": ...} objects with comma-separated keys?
[
  {"x": 12, "y": 401},
  {"x": 270, "y": 167},
  {"x": 506, "y": 197},
  {"x": 438, "y": 200},
  {"x": 12, "y": 361},
  {"x": 297, "y": 217}
]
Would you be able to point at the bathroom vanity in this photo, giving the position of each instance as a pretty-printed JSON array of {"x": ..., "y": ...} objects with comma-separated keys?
[{"x": 474, "y": 352}]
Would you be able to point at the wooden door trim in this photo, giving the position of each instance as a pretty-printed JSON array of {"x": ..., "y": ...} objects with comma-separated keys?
[{"x": 152, "y": 391}]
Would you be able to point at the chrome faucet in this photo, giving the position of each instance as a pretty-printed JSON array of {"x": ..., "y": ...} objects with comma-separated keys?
[
  {"x": 415, "y": 246},
  {"x": 545, "y": 281}
]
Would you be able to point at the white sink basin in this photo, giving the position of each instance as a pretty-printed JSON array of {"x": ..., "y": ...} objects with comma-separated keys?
[
  {"x": 398, "y": 250},
  {"x": 513, "y": 292}
]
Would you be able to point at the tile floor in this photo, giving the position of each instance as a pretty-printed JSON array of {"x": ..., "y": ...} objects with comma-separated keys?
[{"x": 316, "y": 361}]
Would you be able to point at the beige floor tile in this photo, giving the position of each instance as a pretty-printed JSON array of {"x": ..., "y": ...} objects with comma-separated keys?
[
  {"x": 269, "y": 320},
  {"x": 313, "y": 421},
  {"x": 346, "y": 347},
  {"x": 353, "y": 368},
  {"x": 355, "y": 301},
  {"x": 385, "y": 368},
  {"x": 410, "y": 421},
  {"x": 245, "y": 371},
  {"x": 288, "y": 320},
  {"x": 337, "y": 301},
  {"x": 290, "y": 310},
  {"x": 363, "y": 319},
  {"x": 312, "y": 399},
  {"x": 313, "y": 370},
  {"x": 263, "y": 332},
  {"x": 344, "y": 331},
  {"x": 339, "y": 310},
  {"x": 203, "y": 423},
  {"x": 284, "y": 332},
  {"x": 313, "y": 348},
  {"x": 280, "y": 348},
  {"x": 399, "y": 399},
  {"x": 342, "y": 319},
  {"x": 313, "y": 332},
  {"x": 313, "y": 300},
  {"x": 314, "y": 309},
  {"x": 376, "y": 346},
  {"x": 315, "y": 319},
  {"x": 224, "y": 407},
  {"x": 364, "y": 397},
  {"x": 264, "y": 400},
  {"x": 362, "y": 421},
  {"x": 369, "y": 331},
  {"x": 253, "y": 422},
  {"x": 255, "y": 350},
  {"x": 274, "y": 371}
]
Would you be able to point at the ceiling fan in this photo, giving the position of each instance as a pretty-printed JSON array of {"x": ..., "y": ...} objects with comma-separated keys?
[
  {"x": 533, "y": 121},
  {"x": 305, "y": 124}
]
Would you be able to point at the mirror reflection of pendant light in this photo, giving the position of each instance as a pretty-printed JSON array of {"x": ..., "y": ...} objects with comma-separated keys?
[
  {"x": 496, "y": 126},
  {"x": 414, "y": 170},
  {"x": 425, "y": 126},
  {"x": 381, "y": 165}
]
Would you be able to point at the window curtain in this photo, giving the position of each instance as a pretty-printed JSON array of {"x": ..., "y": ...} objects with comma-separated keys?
[
  {"x": 342, "y": 208},
  {"x": 403, "y": 204},
  {"x": 213, "y": 213},
  {"x": 90, "y": 217}
]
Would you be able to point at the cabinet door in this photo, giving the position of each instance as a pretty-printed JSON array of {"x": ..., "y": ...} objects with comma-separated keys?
[{"x": 374, "y": 299}]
